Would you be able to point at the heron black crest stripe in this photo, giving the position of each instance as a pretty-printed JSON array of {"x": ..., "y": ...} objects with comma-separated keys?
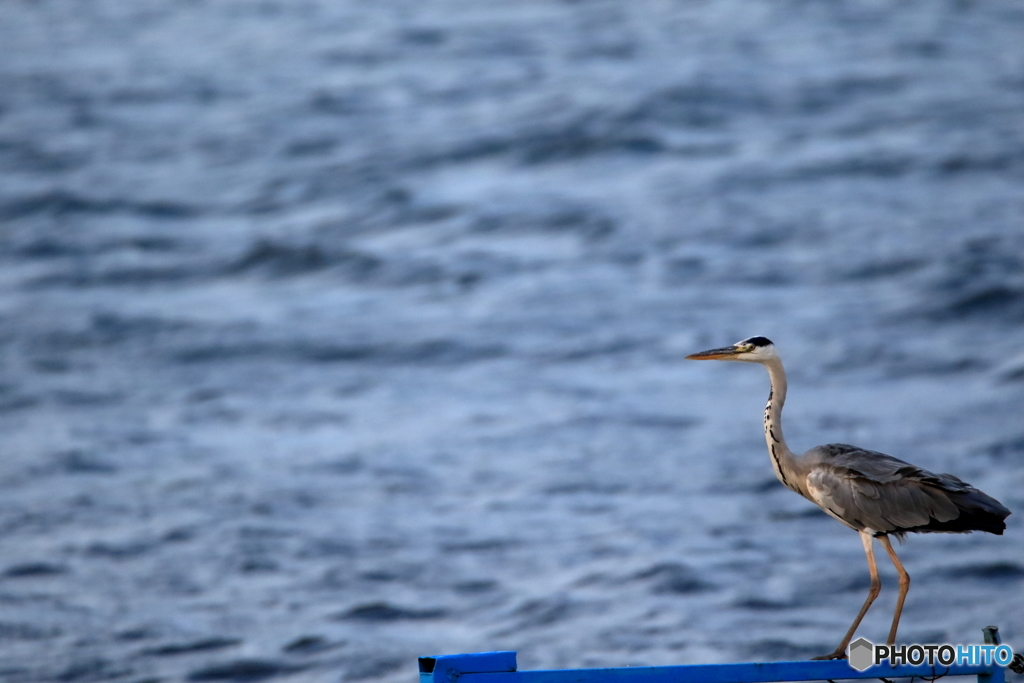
[{"x": 758, "y": 341}]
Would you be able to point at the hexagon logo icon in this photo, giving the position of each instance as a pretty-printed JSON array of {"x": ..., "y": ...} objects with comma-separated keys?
[{"x": 861, "y": 654}]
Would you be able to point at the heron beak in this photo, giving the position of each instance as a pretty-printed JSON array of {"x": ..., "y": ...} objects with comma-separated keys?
[{"x": 726, "y": 353}]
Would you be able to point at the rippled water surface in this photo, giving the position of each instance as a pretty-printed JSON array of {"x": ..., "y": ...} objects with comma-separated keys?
[{"x": 337, "y": 333}]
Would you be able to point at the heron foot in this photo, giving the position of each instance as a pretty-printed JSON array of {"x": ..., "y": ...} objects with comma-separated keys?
[{"x": 838, "y": 654}]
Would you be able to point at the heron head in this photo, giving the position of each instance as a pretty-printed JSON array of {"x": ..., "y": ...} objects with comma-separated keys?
[{"x": 752, "y": 350}]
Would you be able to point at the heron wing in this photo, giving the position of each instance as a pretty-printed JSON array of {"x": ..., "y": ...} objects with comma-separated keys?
[{"x": 869, "y": 490}]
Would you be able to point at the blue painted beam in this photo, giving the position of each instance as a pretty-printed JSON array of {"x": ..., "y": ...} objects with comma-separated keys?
[
  {"x": 448, "y": 668},
  {"x": 500, "y": 667}
]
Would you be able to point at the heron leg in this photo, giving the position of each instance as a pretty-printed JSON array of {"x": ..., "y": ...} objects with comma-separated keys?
[
  {"x": 904, "y": 587},
  {"x": 876, "y": 588}
]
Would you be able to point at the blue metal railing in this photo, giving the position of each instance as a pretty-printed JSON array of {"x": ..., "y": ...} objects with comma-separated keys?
[{"x": 500, "y": 667}]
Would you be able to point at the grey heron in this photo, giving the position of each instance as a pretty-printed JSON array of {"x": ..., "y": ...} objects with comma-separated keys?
[{"x": 874, "y": 494}]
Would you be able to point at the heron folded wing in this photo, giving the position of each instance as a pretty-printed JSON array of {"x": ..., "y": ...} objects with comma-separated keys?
[
  {"x": 871, "y": 465},
  {"x": 864, "y": 503},
  {"x": 944, "y": 508}
]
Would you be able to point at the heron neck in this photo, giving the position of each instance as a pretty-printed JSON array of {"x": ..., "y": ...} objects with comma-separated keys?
[{"x": 783, "y": 459}]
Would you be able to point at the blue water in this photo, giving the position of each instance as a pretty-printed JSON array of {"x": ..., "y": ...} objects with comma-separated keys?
[{"x": 337, "y": 333}]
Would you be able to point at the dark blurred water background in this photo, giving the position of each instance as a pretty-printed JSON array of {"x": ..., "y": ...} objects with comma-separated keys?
[{"x": 337, "y": 333}]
